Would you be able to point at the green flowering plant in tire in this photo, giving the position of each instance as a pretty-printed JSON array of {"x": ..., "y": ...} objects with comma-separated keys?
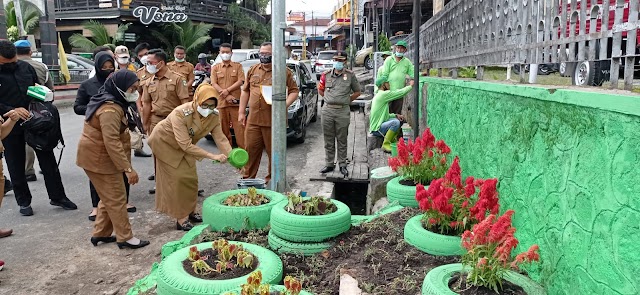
[
  {"x": 256, "y": 215},
  {"x": 254, "y": 286}
]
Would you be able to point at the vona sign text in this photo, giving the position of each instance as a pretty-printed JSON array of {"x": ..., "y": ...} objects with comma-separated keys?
[{"x": 164, "y": 14}]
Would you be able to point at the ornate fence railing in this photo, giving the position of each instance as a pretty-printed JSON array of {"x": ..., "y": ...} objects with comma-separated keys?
[{"x": 596, "y": 40}]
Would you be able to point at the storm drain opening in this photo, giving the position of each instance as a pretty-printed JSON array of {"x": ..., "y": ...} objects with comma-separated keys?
[{"x": 353, "y": 195}]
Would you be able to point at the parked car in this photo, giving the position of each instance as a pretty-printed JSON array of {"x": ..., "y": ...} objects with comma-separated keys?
[
  {"x": 363, "y": 56},
  {"x": 79, "y": 67},
  {"x": 240, "y": 55},
  {"x": 310, "y": 56},
  {"x": 303, "y": 110},
  {"x": 324, "y": 61}
]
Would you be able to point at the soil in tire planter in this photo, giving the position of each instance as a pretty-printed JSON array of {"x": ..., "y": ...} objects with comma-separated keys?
[
  {"x": 407, "y": 182},
  {"x": 458, "y": 284},
  {"x": 211, "y": 261}
]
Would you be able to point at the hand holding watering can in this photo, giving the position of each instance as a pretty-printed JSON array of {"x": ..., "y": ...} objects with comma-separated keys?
[{"x": 237, "y": 158}]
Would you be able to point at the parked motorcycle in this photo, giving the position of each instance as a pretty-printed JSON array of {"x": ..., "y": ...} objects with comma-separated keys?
[{"x": 201, "y": 76}]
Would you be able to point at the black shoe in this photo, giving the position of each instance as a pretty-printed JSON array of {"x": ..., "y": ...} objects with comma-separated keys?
[
  {"x": 65, "y": 203},
  {"x": 185, "y": 226},
  {"x": 152, "y": 177},
  {"x": 132, "y": 209},
  {"x": 92, "y": 217},
  {"x": 127, "y": 245},
  {"x": 96, "y": 240},
  {"x": 200, "y": 193},
  {"x": 141, "y": 154},
  {"x": 327, "y": 169},
  {"x": 8, "y": 186},
  {"x": 344, "y": 171},
  {"x": 195, "y": 217},
  {"x": 32, "y": 177},
  {"x": 26, "y": 211},
  {"x": 152, "y": 191}
]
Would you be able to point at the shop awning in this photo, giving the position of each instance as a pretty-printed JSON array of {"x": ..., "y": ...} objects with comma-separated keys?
[{"x": 320, "y": 38}]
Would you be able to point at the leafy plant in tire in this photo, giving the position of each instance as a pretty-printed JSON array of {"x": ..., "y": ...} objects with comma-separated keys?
[
  {"x": 422, "y": 160},
  {"x": 251, "y": 198},
  {"x": 254, "y": 286},
  {"x": 489, "y": 245},
  {"x": 198, "y": 263},
  {"x": 313, "y": 206},
  {"x": 226, "y": 252},
  {"x": 451, "y": 206}
]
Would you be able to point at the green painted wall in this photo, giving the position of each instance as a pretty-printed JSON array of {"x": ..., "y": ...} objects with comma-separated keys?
[{"x": 568, "y": 164}]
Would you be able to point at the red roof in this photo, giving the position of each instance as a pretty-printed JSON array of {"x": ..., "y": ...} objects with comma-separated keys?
[{"x": 321, "y": 22}]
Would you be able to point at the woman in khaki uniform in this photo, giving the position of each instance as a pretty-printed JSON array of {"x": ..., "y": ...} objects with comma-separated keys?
[
  {"x": 173, "y": 142},
  {"x": 104, "y": 152}
]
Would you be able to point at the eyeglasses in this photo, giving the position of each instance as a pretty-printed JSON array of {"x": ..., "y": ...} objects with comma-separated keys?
[{"x": 208, "y": 106}]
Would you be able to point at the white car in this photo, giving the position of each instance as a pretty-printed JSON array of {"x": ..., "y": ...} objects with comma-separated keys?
[
  {"x": 240, "y": 55},
  {"x": 324, "y": 61}
]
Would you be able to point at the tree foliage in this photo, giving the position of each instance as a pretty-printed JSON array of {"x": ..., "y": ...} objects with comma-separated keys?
[
  {"x": 383, "y": 43},
  {"x": 188, "y": 34},
  {"x": 241, "y": 24},
  {"x": 30, "y": 15},
  {"x": 100, "y": 36}
]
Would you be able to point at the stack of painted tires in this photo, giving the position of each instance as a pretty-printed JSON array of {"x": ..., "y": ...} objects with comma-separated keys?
[
  {"x": 222, "y": 217},
  {"x": 306, "y": 235},
  {"x": 172, "y": 279},
  {"x": 405, "y": 195}
]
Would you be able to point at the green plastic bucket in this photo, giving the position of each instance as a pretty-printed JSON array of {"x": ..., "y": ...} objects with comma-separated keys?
[
  {"x": 394, "y": 149},
  {"x": 238, "y": 157}
]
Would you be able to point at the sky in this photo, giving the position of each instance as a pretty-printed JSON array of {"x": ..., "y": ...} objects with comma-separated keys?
[{"x": 319, "y": 7}]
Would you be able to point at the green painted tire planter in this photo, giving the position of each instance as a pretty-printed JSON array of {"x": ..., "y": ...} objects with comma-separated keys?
[
  {"x": 307, "y": 249},
  {"x": 437, "y": 281},
  {"x": 430, "y": 242},
  {"x": 273, "y": 288},
  {"x": 301, "y": 228},
  {"x": 222, "y": 217},
  {"x": 172, "y": 279},
  {"x": 403, "y": 194}
]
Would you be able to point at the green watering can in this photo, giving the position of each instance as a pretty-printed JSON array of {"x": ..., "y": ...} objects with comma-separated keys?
[{"x": 238, "y": 158}]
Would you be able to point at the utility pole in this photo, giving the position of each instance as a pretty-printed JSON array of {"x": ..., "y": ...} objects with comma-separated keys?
[
  {"x": 417, "y": 18},
  {"x": 304, "y": 36},
  {"x": 48, "y": 36},
  {"x": 18, "y": 11},
  {"x": 279, "y": 104},
  {"x": 3, "y": 22},
  {"x": 351, "y": 36},
  {"x": 384, "y": 18},
  {"x": 313, "y": 41}
]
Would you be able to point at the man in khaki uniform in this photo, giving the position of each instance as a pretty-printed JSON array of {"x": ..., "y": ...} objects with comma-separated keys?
[
  {"x": 183, "y": 67},
  {"x": 161, "y": 93},
  {"x": 340, "y": 88},
  {"x": 227, "y": 77},
  {"x": 257, "y": 132}
]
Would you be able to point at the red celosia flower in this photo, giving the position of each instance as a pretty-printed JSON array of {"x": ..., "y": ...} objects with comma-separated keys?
[
  {"x": 394, "y": 163},
  {"x": 465, "y": 204},
  {"x": 482, "y": 262},
  {"x": 421, "y": 193},
  {"x": 428, "y": 138},
  {"x": 430, "y": 154},
  {"x": 453, "y": 175},
  {"x": 453, "y": 224},
  {"x": 443, "y": 160},
  {"x": 500, "y": 229},
  {"x": 466, "y": 240},
  {"x": 442, "y": 147},
  {"x": 433, "y": 168},
  {"x": 433, "y": 221},
  {"x": 469, "y": 188},
  {"x": 532, "y": 253}
]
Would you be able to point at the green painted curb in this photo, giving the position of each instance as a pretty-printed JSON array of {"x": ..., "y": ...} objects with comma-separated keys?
[{"x": 360, "y": 219}]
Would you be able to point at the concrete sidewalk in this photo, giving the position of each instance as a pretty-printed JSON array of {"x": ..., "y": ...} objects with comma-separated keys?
[{"x": 64, "y": 98}]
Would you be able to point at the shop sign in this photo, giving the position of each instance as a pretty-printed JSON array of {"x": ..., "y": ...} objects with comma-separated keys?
[{"x": 163, "y": 14}]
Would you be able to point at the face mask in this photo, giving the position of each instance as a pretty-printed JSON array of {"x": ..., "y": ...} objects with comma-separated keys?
[
  {"x": 338, "y": 65},
  {"x": 152, "y": 69},
  {"x": 399, "y": 54},
  {"x": 179, "y": 59},
  {"x": 204, "y": 112},
  {"x": 143, "y": 60},
  {"x": 9, "y": 67},
  {"x": 104, "y": 73},
  {"x": 225, "y": 56},
  {"x": 123, "y": 60},
  {"x": 132, "y": 97},
  {"x": 265, "y": 59}
]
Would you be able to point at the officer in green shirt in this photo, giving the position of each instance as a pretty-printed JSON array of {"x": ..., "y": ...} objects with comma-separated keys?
[
  {"x": 395, "y": 70},
  {"x": 338, "y": 88},
  {"x": 381, "y": 122}
]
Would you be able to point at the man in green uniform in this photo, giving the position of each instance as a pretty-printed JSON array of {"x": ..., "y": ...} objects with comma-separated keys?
[
  {"x": 340, "y": 87},
  {"x": 395, "y": 70},
  {"x": 381, "y": 122}
]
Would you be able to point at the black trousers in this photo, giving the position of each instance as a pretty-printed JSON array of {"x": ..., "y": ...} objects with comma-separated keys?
[
  {"x": 95, "y": 199},
  {"x": 14, "y": 153}
]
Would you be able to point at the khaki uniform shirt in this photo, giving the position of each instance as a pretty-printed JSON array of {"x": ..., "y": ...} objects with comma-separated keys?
[
  {"x": 105, "y": 143},
  {"x": 41, "y": 71},
  {"x": 164, "y": 93},
  {"x": 185, "y": 69},
  {"x": 259, "y": 110},
  {"x": 175, "y": 137},
  {"x": 225, "y": 76},
  {"x": 338, "y": 88}
]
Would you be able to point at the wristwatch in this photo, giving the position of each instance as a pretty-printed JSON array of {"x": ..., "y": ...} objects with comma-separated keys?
[{"x": 128, "y": 170}]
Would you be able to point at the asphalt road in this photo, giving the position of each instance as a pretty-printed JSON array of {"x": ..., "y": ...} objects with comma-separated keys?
[{"x": 50, "y": 253}]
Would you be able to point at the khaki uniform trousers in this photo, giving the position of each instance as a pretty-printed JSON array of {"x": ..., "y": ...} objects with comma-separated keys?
[
  {"x": 335, "y": 127},
  {"x": 112, "y": 209},
  {"x": 31, "y": 158},
  {"x": 229, "y": 116},
  {"x": 154, "y": 121},
  {"x": 257, "y": 139}
]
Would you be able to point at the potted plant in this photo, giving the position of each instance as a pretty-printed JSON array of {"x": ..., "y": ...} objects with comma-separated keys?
[
  {"x": 450, "y": 208},
  {"x": 240, "y": 209},
  {"x": 418, "y": 162},
  {"x": 213, "y": 268},
  {"x": 487, "y": 267},
  {"x": 254, "y": 286},
  {"x": 313, "y": 219}
]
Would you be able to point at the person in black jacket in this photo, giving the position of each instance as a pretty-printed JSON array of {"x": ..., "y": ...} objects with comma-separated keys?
[
  {"x": 15, "y": 77},
  {"x": 104, "y": 66}
]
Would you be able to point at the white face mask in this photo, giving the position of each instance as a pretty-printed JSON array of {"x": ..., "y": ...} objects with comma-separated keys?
[
  {"x": 179, "y": 59},
  {"x": 152, "y": 69},
  {"x": 225, "y": 56},
  {"x": 123, "y": 60},
  {"x": 143, "y": 60},
  {"x": 132, "y": 97},
  {"x": 205, "y": 112}
]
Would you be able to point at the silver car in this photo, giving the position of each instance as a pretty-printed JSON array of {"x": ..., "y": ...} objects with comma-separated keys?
[{"x": 324, "y": 61}]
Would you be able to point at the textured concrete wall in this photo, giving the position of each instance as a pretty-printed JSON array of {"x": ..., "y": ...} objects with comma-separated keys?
[{"x": 568, "y": 164}]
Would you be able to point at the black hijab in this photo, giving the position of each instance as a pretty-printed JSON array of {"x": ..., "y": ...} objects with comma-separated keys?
[
  {"x": 114, "y": 88},
  {"x": 101, "y": 58}
]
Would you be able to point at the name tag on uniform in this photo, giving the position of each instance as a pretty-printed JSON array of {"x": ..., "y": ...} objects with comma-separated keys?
[{"x": 345, "y": 77}]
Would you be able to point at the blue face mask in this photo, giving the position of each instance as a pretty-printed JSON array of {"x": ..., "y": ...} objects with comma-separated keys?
[
  {"x": 338, "y": 65},
  {"x": 399, "y": 54}
]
